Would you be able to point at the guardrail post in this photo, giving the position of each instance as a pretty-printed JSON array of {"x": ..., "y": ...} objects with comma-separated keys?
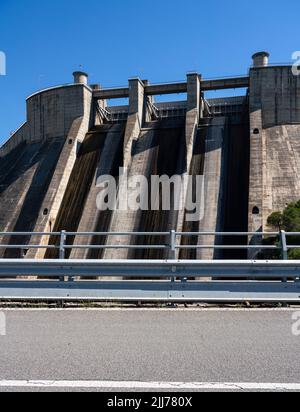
[
  {"x": 284, "y": 248},
  {"x": 62, "y": 249},
  {"x": 62, "y": 244},
  {"x": 173, "y": 249},
  {"x": 283, "y": 243},
  {"x": 173, "y": 244}
]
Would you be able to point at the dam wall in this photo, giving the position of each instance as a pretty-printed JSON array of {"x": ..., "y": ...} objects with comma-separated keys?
[
  {"x": 245, "y": 150},
  {"x": 92, "y": 139},
  {"x": 15, "y": 140}
]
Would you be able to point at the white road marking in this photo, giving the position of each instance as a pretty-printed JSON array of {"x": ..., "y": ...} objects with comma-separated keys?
[
  {"x": 2, "y": 324},
  {"x": 151, "y": 385},
  {"x": 173, "y": 310}
]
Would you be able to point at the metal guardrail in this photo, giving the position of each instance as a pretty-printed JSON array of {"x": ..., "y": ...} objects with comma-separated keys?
[
  {"x": 170, "y": 280},
  {"x": 151, "y": 269},
  {"x": 171, "y": 244}
]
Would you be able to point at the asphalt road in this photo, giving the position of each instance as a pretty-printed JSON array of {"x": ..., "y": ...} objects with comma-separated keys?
[{"x": 135, "y": 347}]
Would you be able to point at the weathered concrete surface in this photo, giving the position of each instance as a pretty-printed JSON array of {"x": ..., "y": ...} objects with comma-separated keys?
[
  {"x": 124, "y": 220},
  {"x": 274, "y": 137},
  {"x": 196, "y": 169},
  {"x": 18, "y": 137},
  {"x": 93, "y": 219},
  {"x": 282, "y": 172},
  {"x": 214, "y": 185},
  {"x": 158, "y": 151},
  {"x": 25, "y": 175},
  {"x": 43, "y": 151},
  {"x": 221, "y": 157},
  {"x": 193, "y": 114},
  {"x": 135, "y": 117},
  {"x": 50, "y": 115},
  {"x": 79, "y": 186},
  {"x": 55, "y": 194},
  {"x": 169, "y": 160},
  {"x": 257, "y": 170}
]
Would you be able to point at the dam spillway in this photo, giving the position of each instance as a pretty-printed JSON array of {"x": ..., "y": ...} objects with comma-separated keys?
[
  {"x": 25, "y": 176},
  {"x": 99, "y": 154},
  {"x": 244, "y": 148}
]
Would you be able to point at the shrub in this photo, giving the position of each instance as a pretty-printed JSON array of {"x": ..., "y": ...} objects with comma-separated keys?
[{"x": 288, "y": 220}]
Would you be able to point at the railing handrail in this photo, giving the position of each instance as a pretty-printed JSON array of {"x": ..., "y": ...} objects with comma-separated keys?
[
  {"x": 76, "y": 277},
  {"x": 208, "y": 233},
  {"x": 171, "y": 244}
]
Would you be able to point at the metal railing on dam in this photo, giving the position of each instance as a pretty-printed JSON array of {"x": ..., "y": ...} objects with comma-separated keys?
[{"x": 170, "y": 280}]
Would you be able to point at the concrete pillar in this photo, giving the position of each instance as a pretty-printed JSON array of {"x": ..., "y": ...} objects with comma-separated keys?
[
  {"x": 98, "y": 119},
  {"x": 193, "y": 113},
  {"x": 261, "y": 59},
  {"x": 148, "y": 101},
  {"x": 257, "y": 166},
  {"x": 214, "y": 185},
  {"x": 135, "y": 116},
  {"x": 73, "y": 121},
  {"x": 191, "y": 127},
  {"x": 95, "y": 87},
  {"x": 80, "y": 78},
  {"x": 274, "y": 104}
]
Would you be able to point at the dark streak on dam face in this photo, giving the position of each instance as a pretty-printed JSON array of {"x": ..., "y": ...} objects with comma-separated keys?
[
  {"x": 79, "y": 205},
  {"x": 25, "y": 175},
  {"x": 165, "y": 140},
  {"x": 237, "y": 184},
  {"x": 246, "y": 149},
  {"x": 197, "y": 168}
]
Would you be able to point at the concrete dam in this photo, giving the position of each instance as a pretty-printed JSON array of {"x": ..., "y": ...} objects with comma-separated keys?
[{"x": 246, "y": 149}]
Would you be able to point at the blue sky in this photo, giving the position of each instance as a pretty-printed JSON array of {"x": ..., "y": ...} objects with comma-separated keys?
[{"x": 161, "y": 40}]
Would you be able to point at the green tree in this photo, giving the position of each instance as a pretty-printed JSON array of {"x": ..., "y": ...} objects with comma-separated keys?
[
  {"x": 291, "y": 217},
  {"x": 276, "y": 220},
  {"x": 288, "y": 220}
]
